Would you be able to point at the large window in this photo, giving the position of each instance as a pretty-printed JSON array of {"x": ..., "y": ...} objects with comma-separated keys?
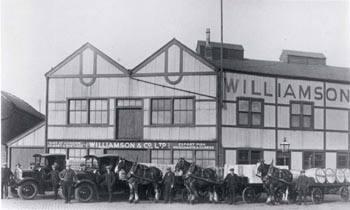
[
  {"x": 88, "y": 111},
  {"x": 161, "y": 156},
  {"x": 313, "y": 159},
  {"x": 249, "y": 156},
  {"x": 205, "y": 158},
  {"x": 343, "y": 160},
  {"x": 176, "y": 111},
  {"x": 250, "y": 112},
  {"x": 301, "y": 115}
]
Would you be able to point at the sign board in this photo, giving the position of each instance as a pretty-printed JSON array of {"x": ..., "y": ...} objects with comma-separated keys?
[{"x": 131, "y": 145}]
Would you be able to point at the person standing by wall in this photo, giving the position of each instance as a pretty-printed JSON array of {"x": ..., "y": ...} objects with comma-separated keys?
[
  {"x": 109, "y": 180},
  {"x": 55, "y": 179},
  {"x": 18, "y": 172},
  {"x": 168, "y": 180},
  {"x": 6, "y": 174},
  {"x": 68, "y": 177},
  {"x": 302, "y": 185},
  {"x": 231, "y": 183}
]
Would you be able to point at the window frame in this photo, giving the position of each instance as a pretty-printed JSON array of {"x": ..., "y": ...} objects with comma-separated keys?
[
  {"x": 301, "y": 115},
  {"x": 347, "y": 164},
  {"x": 289, "y": 157},
  {"x": 88, "y": 112},
  {"x": 250, "y": 112},
  {"x": 249, "y": 155},
  {"x": 313, "y": 164},
  {"x": 172, "y": 111}
]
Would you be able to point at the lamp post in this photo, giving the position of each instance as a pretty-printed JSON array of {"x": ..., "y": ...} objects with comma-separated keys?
[{"x": 285, "y": 149}]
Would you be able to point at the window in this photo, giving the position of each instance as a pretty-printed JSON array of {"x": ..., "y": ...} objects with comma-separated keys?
[
  {"x": 57, "y": 151},
  {"x": 187, "y": 154},
  {"x": 177, "y": 111},
  {"x": 250, "y": 112},
  {"x": 249, "y": 156},
  {"x": 77, "y": 154},
  {"x": 280, "y": 156},
  {"x": 88, "y": 111},
  {"x": 205, "y": 158},
  {"x": 129, "y": 102},
  {"x": 343, "y": 160},
  {"x": 95, "y": 151},
  {"x": 301, "y": 115},
  {"x": 161, "y": 156},
  {"x": 313, "y": 159}
]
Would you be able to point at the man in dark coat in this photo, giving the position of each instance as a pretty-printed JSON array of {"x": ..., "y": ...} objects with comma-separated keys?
[
  {"x": 302, "y": 185},
  {"x": 231, "y": 184},
  {"x": 55, "y": 179},
  {"x": 68, "y": 177},
  {"x": 168, "y": 181},
  {"x": 108, "y": 181},
  {"x": 5, "y": 179}
]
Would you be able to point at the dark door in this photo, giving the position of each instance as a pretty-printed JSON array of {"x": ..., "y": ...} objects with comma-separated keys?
[
  {"x": 129, "y": 123},
  {"x": 141, "y": 156}
]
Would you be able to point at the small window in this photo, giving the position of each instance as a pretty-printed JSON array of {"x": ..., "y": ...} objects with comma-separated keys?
[
  {"x": 77, "y": 154},
  {"x": 250, "y": 112},
  {"x": 283, "y": 158},
  {"x": 313, "y": 159},
  {"x": 78, "y": 111},
  {"x": 161, "y": 156},
  {"x": 249, "y": 156},
  {"x": 98, "y": 111},
  {"x": 343, "y": 160},
  {"x": 57, "y": 151},
  {"x": 205, "y": 158},
  {"x": 301, "y": 115},
  {"x": 88, "y": 111}
]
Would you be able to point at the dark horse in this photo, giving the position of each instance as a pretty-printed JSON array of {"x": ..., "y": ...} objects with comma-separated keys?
[
  {"x": 197, "y": 179},
  {"x": 275, "y": 181},
  {"x": 139, "y": 174}
]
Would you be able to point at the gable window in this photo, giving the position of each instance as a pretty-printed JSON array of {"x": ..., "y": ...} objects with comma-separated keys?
[
  {"x": 313, "y": 159},
  {"x": 88, "y": 111},
  {"x": 343, "y": 160},
  {"x": 172, "y": 111},
  {"x": 250, "y": 112},
  {"x": 301, "y": 115},
  {"x": 249, "y": 156}
]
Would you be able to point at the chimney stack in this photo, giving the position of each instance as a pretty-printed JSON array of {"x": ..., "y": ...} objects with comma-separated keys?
[{"x": 208, "y": 48}]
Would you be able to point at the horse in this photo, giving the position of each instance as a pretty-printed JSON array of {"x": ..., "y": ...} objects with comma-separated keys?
[
  {"x": 197, "y": 179},
  {"x": 139, "y": 174},
  {"x": 275, "y": 181}
]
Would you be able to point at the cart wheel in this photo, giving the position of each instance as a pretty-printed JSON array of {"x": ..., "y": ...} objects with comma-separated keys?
[
  {"x": 344, "y": 193},
  {"x": 248, "y": 195},
  {"x": 316, "y": 195}
]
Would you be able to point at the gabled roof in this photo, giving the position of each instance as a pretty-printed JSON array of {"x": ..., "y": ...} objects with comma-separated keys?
[
  {"x": 167, "y": 45},
  {"x": 26, "y": 133},
  {"x": 80, "y": 50}
]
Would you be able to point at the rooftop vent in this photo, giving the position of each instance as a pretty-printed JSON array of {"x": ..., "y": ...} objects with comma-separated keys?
[{"x": 299, "y": 57}]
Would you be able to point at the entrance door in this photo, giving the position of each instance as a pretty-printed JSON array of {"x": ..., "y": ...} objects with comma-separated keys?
[
  {"x": 129, "y": 123},
  {"x": 141, "y": 156}
]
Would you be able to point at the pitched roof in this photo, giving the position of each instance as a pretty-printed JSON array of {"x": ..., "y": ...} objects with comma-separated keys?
[
  {"x": 80, "y": 50},
  {"x": 275, "y": 68},
  {"x": 303, "y": 54}
]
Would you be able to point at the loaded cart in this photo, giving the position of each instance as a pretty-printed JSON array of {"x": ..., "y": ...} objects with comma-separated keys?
[{"x": 318, "y": 190}]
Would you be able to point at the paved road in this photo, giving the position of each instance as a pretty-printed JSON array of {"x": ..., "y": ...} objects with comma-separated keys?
[{"x": 332, "y": 203}]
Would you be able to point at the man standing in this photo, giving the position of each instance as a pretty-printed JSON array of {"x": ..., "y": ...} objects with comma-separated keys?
[
  {"x": 5, "y": 178},
  {"x": 69, "y": 177},
  {"x": 302, "y": 185},
  {"x": 109, "y": 180},
  {"x": 231, "y": 183},
  {"x": 18, "y": 172},
  {"x": 55, "y": 179},
  {"x": 168, "y": 180}
]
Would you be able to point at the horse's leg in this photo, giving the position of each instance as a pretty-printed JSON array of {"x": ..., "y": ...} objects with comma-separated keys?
[
  {"x": 195, "y": 193},
  {"x": 215, "y": 195},
  {"x": 136, "y": 187},
  {"x": 131, "y": 196},
  {"x": 210, "y": 196},
  {"x": 156, "y": 191},
  {"x": 189, "y": 192},
  {"x": 268, "y": 200}
]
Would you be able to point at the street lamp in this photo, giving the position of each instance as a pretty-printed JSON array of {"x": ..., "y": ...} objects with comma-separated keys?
[{"x": 285, "y": 149}]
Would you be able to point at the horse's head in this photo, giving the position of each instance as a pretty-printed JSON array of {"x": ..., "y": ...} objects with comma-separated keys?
[
  {"x": 263, "y": 168},
  {"x": 121, "y": 165},
  {"x": 182, "y": 165},
  {"x": 133, "y": 168},
  {"x": 192, "y": 168}
]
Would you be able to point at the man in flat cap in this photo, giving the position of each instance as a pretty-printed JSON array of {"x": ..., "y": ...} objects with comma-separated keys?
[
  {"x": 168, "y": 181},
  {"x": 108, "y": 181},
  {"x": 302, "y": 185},
  {"x": 68, "y": 177},
  {"x": 231, "y": 184}
]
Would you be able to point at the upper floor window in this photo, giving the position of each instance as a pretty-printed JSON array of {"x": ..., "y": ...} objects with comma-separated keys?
[
  {"x": 301, "y": 115},
  {"x": 250, "y": 112},
  {"x": 88, "y": 111},
  {"x": 176, "y": 111}
]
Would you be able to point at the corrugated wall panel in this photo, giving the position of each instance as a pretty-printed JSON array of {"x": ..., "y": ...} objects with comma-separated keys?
[
  {"x": 337, "y": 141},
  {"x": 302, "y": 139},
  {"x": 337, "y": 119},
  {"x": 331, "y": 160},
  {"x": 245, "y": 137}
]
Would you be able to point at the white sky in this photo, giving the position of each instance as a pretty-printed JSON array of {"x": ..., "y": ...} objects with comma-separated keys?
[{"x": 37, "y": 34}]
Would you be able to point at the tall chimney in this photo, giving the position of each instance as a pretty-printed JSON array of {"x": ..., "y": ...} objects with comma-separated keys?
[{"x": 208, "y": 49}]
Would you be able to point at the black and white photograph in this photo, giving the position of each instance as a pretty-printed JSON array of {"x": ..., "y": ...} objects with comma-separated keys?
[{"x": 175, "y": 104}]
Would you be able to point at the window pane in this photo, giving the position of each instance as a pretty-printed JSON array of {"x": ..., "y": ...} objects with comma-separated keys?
[
  {"x": 307, "y": 109},
  {"x": 256, "y": 119},
  {"x": 295, "y": 121},
  {"x": 255, "y": 156},
  {"x": 154, "y": 118},
  {"x": 167, "y": 104},
  {"x": 176, "y": 104},
  {"x": 155, "y": 104},
  {"x": 243, "y": 105},
  {"x": 189, "y": 117},
  {"x": 243, "y": 118},
  {"x": 256, "y": 106},
  {"x": 307, "y": 121},
  {"x": 295, "y": 108},
  {"x": 243, "y": 157},
  {"x": 308, "y": 160},
  {"x": 167, "y": 117},
  {"x": 189, "y": 104}
]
